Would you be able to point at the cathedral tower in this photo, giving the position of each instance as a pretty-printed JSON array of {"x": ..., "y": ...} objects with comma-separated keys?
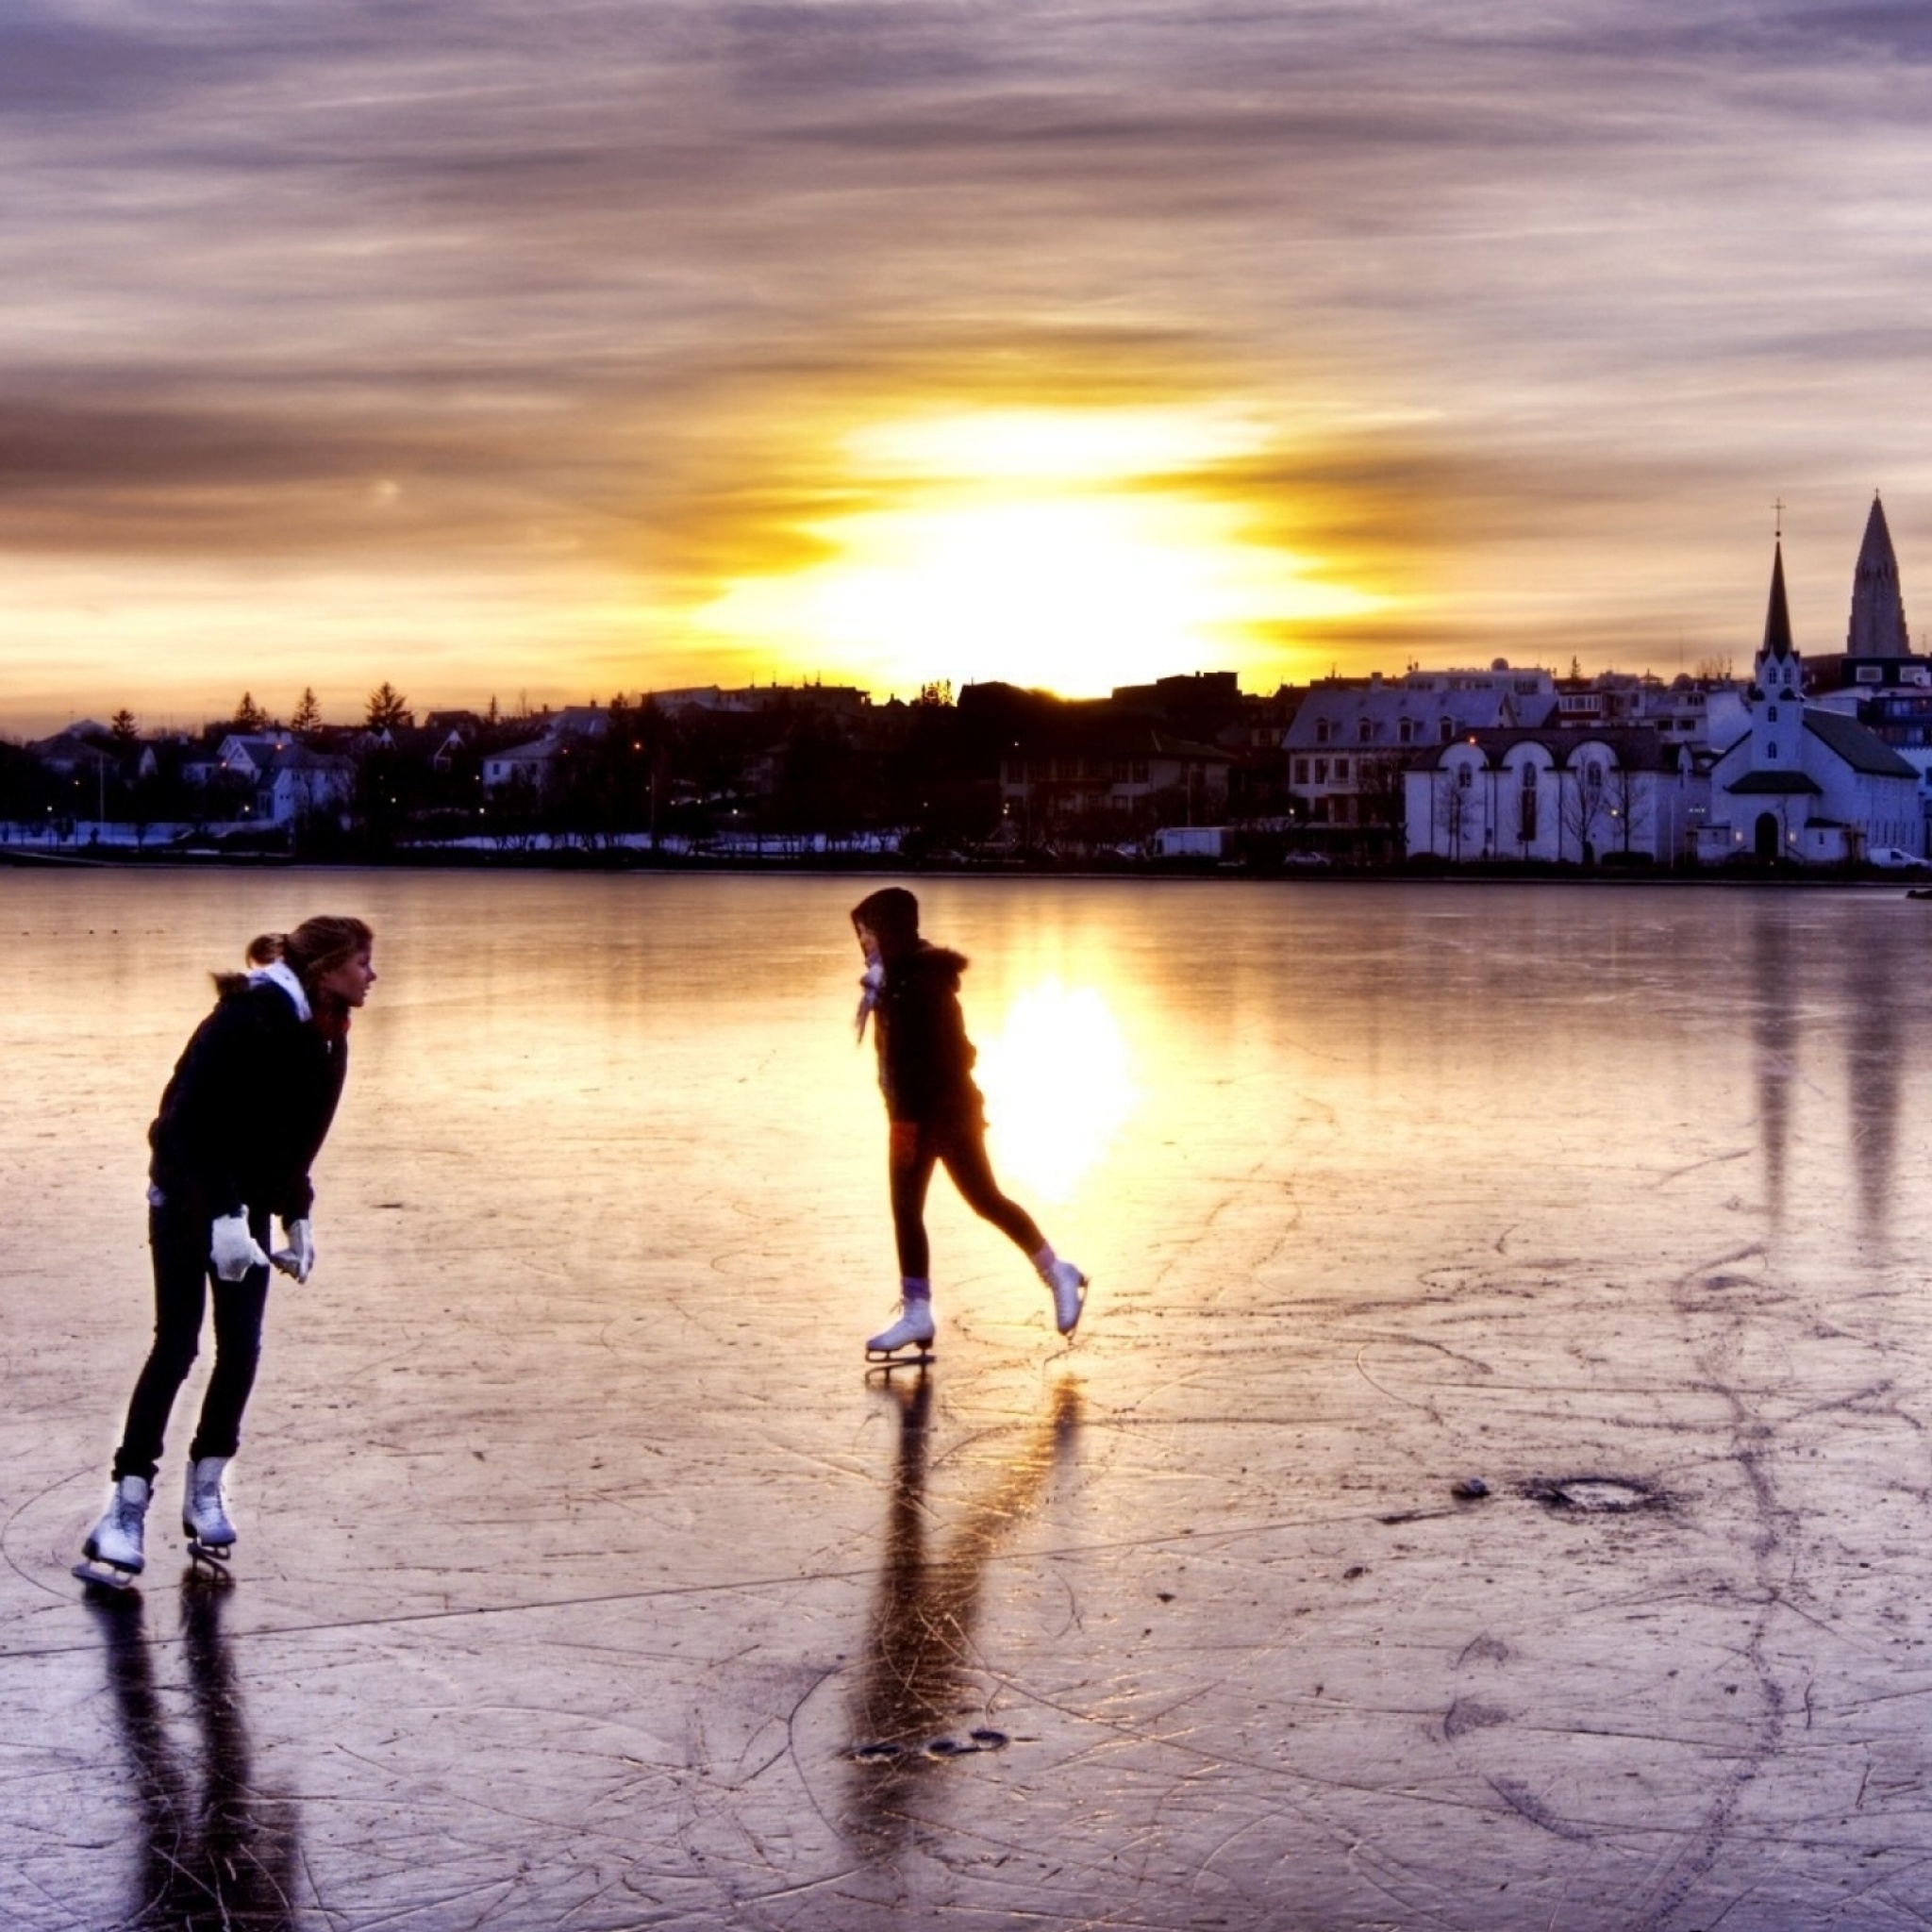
[{"x": 1878, "y": 609}]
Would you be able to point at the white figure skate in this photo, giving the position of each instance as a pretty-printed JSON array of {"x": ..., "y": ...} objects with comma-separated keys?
[
  {"x": 205, "y": 1518},
  {"x": 1068, "y": 1287},
  {"x": 112, "y": 1556},
  {"x": 907, "y": 1343}
]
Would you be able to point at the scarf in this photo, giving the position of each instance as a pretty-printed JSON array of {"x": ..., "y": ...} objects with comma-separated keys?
[{"x": 871, "y": 982}]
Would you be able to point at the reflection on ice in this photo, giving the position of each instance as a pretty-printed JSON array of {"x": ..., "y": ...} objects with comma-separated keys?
[
  {"x": 1057, "y": 1083},
  {"x": 914, "y": 1702},
  {"x": 216, "y": 1852}
]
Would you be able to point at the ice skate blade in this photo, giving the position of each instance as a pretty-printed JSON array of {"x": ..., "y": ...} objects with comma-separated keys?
[
  {"x": 209, "y": 1562},
  {"x": 882, "y": 1361},
  {"x": 100, "y": 1576}
]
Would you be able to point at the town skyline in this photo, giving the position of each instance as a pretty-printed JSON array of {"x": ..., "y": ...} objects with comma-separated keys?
[
  {"x": 386, "y": 701},
  {"x": 1059, "y": 344}
]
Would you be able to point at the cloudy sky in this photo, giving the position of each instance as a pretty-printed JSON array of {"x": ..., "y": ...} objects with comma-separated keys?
[{"x": 553, "y": 353}]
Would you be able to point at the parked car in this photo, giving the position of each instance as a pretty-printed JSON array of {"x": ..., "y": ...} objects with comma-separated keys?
[{"x": 1896, "y": 859}]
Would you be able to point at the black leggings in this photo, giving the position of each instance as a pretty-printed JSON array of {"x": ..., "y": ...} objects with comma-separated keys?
[
  {"x": 960, "y": 1147},
  {"x": 183, "y": 1277}
]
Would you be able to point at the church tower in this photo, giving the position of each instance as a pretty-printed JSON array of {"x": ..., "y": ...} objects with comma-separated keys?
[
  {"x": 1878, "y": 609},
  {"x": 1775, "y": 699}
]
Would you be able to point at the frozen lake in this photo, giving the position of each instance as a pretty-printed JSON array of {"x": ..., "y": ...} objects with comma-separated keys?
[{"x": 586, "y": 1582}]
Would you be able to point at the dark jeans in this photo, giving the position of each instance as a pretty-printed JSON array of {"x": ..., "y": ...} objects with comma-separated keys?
[
  {"x": 178, "y": 1237},
  {"x": 961, "y": 1148}
]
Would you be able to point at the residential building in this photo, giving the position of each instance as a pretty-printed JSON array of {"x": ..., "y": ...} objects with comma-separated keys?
[{"x": 1351, "y": 741}]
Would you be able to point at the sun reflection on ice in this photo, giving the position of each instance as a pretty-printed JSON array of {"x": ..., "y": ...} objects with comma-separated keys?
[{"x": 1059, "y": 1086}]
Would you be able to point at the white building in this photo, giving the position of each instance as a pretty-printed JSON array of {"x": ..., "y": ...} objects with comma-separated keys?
[
  {"x": 1802, "y": 782},
  {"x": 1555, "y": 796},
  {"x": 300, "y": 783}
]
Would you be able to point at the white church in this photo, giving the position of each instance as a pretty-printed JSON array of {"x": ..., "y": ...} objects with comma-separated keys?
[
  {"x": 1803, "y": 782},
  {"x": 1783, "y": 779}
]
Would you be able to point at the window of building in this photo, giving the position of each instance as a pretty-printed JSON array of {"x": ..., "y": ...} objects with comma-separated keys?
[
  {"x": 1324, "y": 730},
  {"x": 1364, "y": 732},
  {"x": 1301, "y": 771},
  {"x": 1405, "y": 731},
  {"x": 1448, "y": 729},
  {"x": 1341, "y": 770},
  {"x": 1321, "y": 771},
  {"x": 1465, "y": 776}
]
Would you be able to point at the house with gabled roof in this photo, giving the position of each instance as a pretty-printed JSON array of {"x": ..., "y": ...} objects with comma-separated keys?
[
  {"x": 1351, "y": 739},
  {"x": 300, "y": 783}
]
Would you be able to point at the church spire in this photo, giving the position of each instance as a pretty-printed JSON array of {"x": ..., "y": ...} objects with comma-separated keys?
[
  {"x": 1878, "y": 609},
  {"x": 1777, "y": 617}
]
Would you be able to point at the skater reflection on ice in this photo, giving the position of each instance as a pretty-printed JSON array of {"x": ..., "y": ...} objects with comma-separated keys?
[
  {"x": 915, "y": 1707},
  {"x": 215, "y": 1852},
  {"x": 910, "y": 992}
]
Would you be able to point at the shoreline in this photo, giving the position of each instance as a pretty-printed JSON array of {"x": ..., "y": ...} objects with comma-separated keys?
[{"x": 629, "y": 860}]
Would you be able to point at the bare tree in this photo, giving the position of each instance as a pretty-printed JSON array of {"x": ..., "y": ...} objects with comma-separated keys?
[
  {"x": 1456, "y": 807},
  {"x": 1630, "y": 808},
  {"x": 1584, "y": 804}
]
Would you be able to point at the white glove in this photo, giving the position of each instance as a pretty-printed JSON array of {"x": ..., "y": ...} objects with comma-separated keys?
[
  {"x": 298, "y": 1257},
  {"x": 233, "y": 1249}
]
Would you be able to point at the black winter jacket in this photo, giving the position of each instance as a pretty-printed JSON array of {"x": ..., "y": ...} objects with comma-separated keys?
[
  {"x": 926, "y": 1060},
  {"x": 250, "y": 1101}
]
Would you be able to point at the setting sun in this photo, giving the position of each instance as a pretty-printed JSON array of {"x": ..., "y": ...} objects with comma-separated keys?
[{"x": 1075, "y": 550}]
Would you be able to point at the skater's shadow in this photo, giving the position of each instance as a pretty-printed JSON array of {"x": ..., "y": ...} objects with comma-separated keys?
[
  {"x": 915, "y": 1708},
  {"x": 214, "y": 1852}
]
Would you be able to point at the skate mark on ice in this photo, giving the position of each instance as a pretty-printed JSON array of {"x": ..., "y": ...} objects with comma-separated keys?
[
  {"x": 1678, "y": 1174},
  {"x": 1525, "y": 1803},
  {"x": 1703, "y": 1841},
  {"x": 1427, "y": 1408}
]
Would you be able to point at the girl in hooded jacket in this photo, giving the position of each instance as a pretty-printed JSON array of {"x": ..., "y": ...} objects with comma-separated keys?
[
  {"x": 936, "y": 1113},
  {"x": 240, "y": 1122}
]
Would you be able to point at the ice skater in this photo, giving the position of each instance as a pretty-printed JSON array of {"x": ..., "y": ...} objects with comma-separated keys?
[
  {"x": 936, "y": 1115},
  {"x": 240, "y": 1121}
]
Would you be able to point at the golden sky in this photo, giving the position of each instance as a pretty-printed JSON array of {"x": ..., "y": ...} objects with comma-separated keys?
[{"x": 620, "y": 347}]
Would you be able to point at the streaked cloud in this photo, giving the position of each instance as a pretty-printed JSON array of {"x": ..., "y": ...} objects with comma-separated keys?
[{"x": 533, "y": 337}]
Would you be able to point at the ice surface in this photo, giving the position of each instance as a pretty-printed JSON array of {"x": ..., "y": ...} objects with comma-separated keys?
[{"x": 584, "y": 1581}]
